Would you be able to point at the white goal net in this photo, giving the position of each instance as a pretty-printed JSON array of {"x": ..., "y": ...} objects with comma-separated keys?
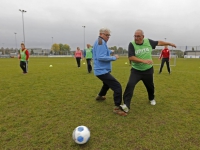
[{"x": 157, "y": 61}]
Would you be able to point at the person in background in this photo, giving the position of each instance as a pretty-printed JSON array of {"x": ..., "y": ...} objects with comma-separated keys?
[
  {"x": 139, "y": 52},
  {"x": 88, "y": 57},
  {"x": 165, "y": 55},
  {"x": 24, "y": 57},
  {"x": 78, "y": 56},
  {"x": 102, "y": 67}
]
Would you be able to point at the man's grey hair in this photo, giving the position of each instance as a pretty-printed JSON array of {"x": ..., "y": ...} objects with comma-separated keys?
[
  {"x": 140, "y": 31},
  {"x": 103, "y": 30}
]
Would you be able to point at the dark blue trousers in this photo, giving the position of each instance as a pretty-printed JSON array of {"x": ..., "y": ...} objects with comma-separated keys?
[
  {"x": 24, "y": 66},
  {"x": 110, "y": 82},
  {"x": 78, "y": 60},
  {"x": 162, "y": 64},
  {"x": 89, "y": 66},
  {"x": 134, "y": 78}
]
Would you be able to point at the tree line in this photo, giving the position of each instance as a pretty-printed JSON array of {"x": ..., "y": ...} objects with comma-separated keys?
[
  {"x": 60, "y": 48},
  {"x": 119, "y": 50}
]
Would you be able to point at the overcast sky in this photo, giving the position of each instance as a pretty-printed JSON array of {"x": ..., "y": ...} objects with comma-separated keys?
[{"x": 176, "y": 20}]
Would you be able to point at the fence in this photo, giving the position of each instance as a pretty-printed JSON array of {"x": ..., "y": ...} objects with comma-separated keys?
[{"x": 180, "y": 51}]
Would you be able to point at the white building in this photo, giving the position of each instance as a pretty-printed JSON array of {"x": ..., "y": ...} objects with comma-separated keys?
[
  {"x": 192, "y": 54},
  {"x": 38, "y": 51}
]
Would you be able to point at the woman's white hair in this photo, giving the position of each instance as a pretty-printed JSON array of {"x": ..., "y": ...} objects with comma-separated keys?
[{"x": 103, "y": 30}]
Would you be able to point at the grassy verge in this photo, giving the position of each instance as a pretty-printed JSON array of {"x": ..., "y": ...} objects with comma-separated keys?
[{"x": 40, "y": 110}]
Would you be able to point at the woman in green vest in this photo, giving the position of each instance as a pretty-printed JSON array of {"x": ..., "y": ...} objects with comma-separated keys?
[
  {"x": 24, "y": 57},
  {"x": 88, "y": 57}
]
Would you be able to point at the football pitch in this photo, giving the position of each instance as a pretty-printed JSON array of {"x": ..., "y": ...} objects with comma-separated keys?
[{"x": 40, "y": 110}]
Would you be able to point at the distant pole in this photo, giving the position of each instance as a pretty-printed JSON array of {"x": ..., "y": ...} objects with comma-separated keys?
[
  {"x": 165, "y": 39},
  {"x": 84, "y": 37},
  {"x": 52, "y": 45},
  {"x": 195, "y": 51},
  {"x": 3, "y": 49},
  {"x": 23, "y": 11},
  {"x": 16, "y": 41},
  {"x": 172, "y": 47}
]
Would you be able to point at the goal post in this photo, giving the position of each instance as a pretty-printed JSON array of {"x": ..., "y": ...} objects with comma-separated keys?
[{"x": 157, "y": 61}]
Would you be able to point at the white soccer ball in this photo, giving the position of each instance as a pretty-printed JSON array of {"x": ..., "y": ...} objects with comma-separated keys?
[
  {"x": 81, "y": 135},
  {"x": 50, "y": 66}
]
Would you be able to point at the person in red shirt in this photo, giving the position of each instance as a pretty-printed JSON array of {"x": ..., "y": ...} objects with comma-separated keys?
[
  {"x": 165, "y": 55},
  {"x": 78, "y": 55},
  {"x": 24, "y": 57}
]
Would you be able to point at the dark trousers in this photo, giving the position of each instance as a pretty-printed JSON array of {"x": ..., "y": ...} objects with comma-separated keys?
[
  {"x": 24, "y": 66},
  {"x": 162, "y": 64},
  {"x": 78, "y": 60},
  {"x": 133, "y": 80},
  {"x": 110, "y": 82},
  {"x": 89, "y": 66}
]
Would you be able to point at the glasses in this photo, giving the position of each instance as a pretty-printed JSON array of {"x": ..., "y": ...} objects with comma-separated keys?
[
  {"x": 107, "y": 34},
  {"x": 137, "y": 36}
]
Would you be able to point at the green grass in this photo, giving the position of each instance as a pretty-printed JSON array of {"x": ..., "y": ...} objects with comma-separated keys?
[{"x": 40, "y": 110}]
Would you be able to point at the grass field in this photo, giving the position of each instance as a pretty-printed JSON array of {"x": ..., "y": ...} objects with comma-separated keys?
[{"x": 40, "y": 110}]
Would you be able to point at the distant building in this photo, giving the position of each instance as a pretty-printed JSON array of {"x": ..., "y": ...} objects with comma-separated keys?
[
  {"x": 192, "y": 54},
  {"x": 38, "y": 51}
]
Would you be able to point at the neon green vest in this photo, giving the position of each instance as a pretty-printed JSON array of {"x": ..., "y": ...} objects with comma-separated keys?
[
  {"x": 143, "y": 52},
  {"x": 88, "y": 53},
  {"x": 23, "y": 55}
]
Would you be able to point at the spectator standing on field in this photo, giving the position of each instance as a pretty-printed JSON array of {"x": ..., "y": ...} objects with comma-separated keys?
[
  {"x": 165, "y": 55},
  {"x": 88, "y": 57},
  {"x": 102, "y": 68},
  {"x": 24, "y": 57},
  {"x": 78, "y": 56},
  {"x": 139, "y": 52}
]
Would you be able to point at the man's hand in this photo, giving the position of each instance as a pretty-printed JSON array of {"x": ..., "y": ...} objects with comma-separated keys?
[
  {"x": 163, "y": 43},
  {"x": 148, "y": 62},
  {"x": 112, "y": 52},
  {"x": 116, "y": 56},
  {"x": 173, "y": 45}
]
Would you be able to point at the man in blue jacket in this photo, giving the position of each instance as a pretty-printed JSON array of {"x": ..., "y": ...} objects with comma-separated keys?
[{"x": 102, "y": 68}]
